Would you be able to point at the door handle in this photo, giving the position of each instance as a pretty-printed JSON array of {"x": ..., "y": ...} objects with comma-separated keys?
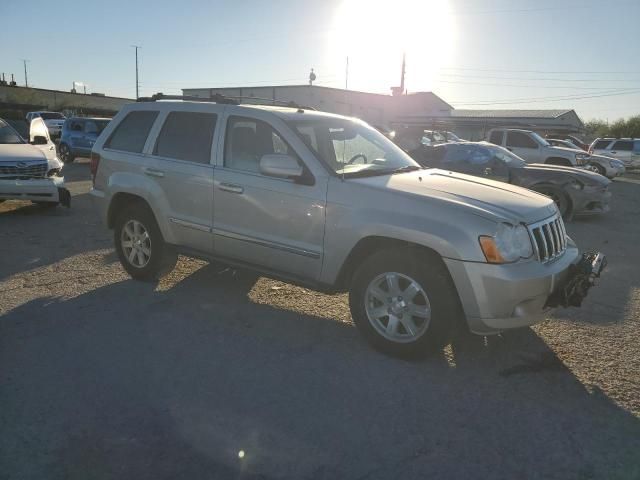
[
  {"x": 231, "y": 188},
  {"x": 614, "y": 152},
  {"x": 153, "y": 172}
]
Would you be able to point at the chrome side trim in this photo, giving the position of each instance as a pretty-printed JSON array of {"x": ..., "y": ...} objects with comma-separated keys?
[
  {"x": 266, "y": 243},
  {"x": 193, "y": 226}
]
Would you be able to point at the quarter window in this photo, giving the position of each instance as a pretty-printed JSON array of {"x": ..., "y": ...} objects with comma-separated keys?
[
  {"x": 187, "y": 136},
  {"x": 520, "y": 140},
  {"x": 624, "y": 145},
  {"x": 248, "y": 140},
  {"x": 131, "y": 134}
]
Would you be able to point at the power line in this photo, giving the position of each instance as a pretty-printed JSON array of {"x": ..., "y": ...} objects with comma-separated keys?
[
  {"x": 520, "y": 101},
  {"x": 559, "y": 72}
]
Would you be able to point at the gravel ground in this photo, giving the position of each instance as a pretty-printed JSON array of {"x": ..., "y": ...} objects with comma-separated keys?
[{"x": 214, "y": 373}]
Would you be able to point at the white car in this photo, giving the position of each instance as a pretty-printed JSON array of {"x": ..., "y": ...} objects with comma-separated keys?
[
  {"x": 53, "y": 120},
  {"x": 627, "y": 150},
  {"x": 606, "y": 166},
  {"x": 30, "y": 170}
]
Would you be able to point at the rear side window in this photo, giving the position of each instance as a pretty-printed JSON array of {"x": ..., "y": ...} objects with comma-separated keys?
[
  {"x": 624, "y": 145},
  {"x": 131, "y": 134},
  {"x": 496, "y": 137},
  {"x": 601, "y": 144},
  {"x": 636, "y": 146},
  {"x": 187, "y": 136},
  {"x": 521, "y": 140}
]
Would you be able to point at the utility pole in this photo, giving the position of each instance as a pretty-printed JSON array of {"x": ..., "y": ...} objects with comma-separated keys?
[
  {"x": 346, "y": 75},
  {"x": 26, "y": 80},
  {"x": 402, "y": 74},
  {"x": 137, "y": 83}
]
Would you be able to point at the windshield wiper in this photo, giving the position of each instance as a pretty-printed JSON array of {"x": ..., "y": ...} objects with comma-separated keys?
[{"x": 382, "y": 171}]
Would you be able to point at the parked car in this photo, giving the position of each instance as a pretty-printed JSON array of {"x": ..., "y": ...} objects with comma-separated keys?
[
  {"x": 78, "y": 137},
  {"x": 607, "y": 166},
  {"x": 329, "y": 202},
  {"x": 53, "y": 121},
  {"x": 534, "y": 149},
  {"x": 570, "y": 138},
  {"x": 30, "y": 170},
  {"x": 627, "y": 150},
  {"x": 575, "y": 191}
]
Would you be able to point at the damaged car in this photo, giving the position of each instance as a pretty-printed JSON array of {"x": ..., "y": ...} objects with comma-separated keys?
[
  {"x": 31, "y": 170},
  {"x": 575, "y": 191}
]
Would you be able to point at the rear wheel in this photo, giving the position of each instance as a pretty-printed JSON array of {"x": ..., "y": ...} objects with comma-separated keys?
[
  {"x": 139, "y": 244},
  {"x": 404, "y": 302},
  {"x": 65, "y": 153}
]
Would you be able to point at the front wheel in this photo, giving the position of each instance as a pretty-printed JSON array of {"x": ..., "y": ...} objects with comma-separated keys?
[
  {"x": 594, "y": 167},
  {"x": 140, "y": 246},
  {"x": 404, "y": 302},
  {"x": 65, "y": 154},
  {"x": 560, "y": 198}
]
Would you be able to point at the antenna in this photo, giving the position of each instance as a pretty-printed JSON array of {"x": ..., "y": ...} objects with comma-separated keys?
[{"x": 137, "y": 83}]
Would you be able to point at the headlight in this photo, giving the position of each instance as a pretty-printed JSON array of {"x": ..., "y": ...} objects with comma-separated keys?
[
  {"x": 508, "y": 244},
  {"x": 616, "y": 163}
]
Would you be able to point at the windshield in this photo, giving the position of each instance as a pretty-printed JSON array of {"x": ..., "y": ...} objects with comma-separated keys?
[
  {"x": 352, "y": 148},
  {"x": 8, "y": 135},
  {"x": 51, "y": 116},
  {"x": 540, "y": 140},
  {"x": 504, "y": 155}
]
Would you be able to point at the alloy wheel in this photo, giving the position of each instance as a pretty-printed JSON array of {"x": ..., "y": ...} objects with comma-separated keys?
[
  {"x": 397, "y": 307},
  {"x": 136, "y": 243}
]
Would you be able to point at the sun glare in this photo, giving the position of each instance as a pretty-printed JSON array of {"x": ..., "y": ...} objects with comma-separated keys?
[{"x": 374, "y": 34}]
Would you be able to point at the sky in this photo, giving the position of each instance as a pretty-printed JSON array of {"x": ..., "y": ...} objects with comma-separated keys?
[{"x": 481, "y": 54}]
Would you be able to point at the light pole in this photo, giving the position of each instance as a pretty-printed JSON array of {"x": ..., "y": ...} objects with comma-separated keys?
[{"x": 137, "y": 84}]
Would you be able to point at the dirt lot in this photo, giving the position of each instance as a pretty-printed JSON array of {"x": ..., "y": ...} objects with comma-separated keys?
[{"x": 219, "y": 374}]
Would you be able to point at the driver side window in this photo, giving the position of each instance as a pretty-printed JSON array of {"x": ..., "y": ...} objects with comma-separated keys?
[{"x": 247, "y": 140}]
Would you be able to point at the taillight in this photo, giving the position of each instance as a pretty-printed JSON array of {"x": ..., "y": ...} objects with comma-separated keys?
[{"x": 93, "y": 166}]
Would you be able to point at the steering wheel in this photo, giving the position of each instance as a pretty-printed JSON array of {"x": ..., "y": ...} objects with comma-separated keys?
[{"x": 356, "y": 156}]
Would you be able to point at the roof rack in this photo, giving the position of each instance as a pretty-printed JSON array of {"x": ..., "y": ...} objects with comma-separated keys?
[
  {"x": 223, "y": 99},
  {"x": 215, "y": 98}
]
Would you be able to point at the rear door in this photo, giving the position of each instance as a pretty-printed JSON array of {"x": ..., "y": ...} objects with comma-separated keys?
[
  {"x": 621, "y": 149},
  {"x": 524, "y": 146},
  {"x": 182, "y": 155}
]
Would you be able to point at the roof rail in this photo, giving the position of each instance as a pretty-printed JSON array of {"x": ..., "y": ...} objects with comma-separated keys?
[
  {"x": 215, "y": 98},
  {"x": 272, "y": 101}
]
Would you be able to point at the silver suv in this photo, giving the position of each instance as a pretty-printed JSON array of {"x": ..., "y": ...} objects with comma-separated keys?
[
  {"x": 627, "y": 150},
  {"x": 330, "y": 203}
]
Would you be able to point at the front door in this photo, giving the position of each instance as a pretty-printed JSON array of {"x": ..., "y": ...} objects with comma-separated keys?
[
  {"x": 621, "y": 149},
  {"x": 272, "y": 222},
  {"x": 524, "y": 146}
]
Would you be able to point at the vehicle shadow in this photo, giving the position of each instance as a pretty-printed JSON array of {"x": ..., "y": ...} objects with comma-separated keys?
[{"x": 201, "y": 380}]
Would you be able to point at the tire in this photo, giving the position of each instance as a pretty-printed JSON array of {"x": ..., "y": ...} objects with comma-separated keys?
[
  {"x": 65, "y": 153},
  {"x": 140, "y": 245},
  {"x": 561, "y": 199},
  {"x": 598, "y": 169},
  {"x": 436, "y": 302}
]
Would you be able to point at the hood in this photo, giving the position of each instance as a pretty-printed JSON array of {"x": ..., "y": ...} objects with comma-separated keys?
[
  {"x": 22, "y": 152},
  {"x": 490, "y": 199},
  {"x": 567, "y": 150},
  {"x": 585, "y": 176}
]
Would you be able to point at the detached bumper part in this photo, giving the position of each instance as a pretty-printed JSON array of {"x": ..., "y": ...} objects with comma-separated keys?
[{"x": 581, "y": 278}]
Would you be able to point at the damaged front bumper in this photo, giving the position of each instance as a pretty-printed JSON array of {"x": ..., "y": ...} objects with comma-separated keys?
[
  {"x": 50, "y": 189},
  {"x": 582, "y": 275}
]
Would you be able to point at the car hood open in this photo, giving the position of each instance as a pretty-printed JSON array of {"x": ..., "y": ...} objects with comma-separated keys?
[{"x": 491, "y": 199}]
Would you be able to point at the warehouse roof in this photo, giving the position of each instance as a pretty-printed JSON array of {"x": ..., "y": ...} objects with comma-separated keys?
[{"x": 510, "y": 113}]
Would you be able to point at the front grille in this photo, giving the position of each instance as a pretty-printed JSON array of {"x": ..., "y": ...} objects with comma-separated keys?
[
  {"x": 549, "y": 238},
  {"x": 16, "y": 172}
]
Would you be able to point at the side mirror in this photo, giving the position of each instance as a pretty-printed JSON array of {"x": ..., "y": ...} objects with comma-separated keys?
[
  {"x": 40, "y": 140},
  {"x": 282, "y": 166}
]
